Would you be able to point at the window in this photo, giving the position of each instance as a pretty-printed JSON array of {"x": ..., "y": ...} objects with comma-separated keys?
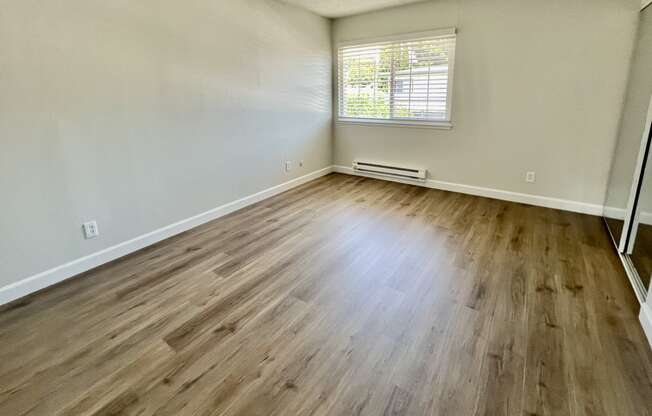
[{"x": 406, "y": 80}]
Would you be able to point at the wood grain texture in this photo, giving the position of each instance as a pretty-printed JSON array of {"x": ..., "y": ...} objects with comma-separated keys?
[{"x": 346, "y": 296}]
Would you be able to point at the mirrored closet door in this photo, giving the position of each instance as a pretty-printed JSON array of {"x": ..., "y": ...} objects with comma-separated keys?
[
  {"x": 636, "y": 236},
  {"x": 639, "y": 243},
  {"x": 628, "y": 202}
]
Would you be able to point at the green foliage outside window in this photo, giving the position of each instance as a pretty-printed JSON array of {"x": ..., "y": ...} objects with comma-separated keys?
[{"x": 371, "y": 75}]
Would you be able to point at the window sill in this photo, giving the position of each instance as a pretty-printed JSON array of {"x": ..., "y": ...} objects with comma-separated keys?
[{"x": 437, "y": 125}]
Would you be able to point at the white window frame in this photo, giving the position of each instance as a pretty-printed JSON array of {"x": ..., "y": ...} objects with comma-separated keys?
[{"x": 444, "y": 124}]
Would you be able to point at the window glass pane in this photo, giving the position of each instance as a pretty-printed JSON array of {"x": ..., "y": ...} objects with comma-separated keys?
[{"x": 402, "y": 80}]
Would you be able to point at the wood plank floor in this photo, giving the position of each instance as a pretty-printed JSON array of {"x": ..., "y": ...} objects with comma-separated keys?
[{"x": 346, "y": 296}]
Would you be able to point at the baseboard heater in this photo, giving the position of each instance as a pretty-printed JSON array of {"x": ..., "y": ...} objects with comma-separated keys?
[{"x": 383, "y": 169}]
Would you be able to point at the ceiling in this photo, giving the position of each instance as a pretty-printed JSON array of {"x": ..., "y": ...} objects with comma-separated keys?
[{"x": 341, "y": 8}]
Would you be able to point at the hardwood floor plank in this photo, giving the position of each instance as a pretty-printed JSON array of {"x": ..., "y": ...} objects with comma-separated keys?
[{"x": 344, "y": 296}]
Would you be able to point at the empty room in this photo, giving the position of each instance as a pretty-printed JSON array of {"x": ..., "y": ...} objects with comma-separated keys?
[{"x": 325, "y": 207}]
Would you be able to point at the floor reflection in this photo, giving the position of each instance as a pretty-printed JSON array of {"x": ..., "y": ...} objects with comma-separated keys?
[{"x": 642, "y": 254}]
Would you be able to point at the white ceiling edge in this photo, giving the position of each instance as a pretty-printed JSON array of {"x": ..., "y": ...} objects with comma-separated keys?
[
  {"x": 342, "y": 8},
  {"x": 334, "y": 9}
]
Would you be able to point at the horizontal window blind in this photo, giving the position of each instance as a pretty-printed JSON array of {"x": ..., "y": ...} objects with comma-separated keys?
[{"x": 402, "y": 80}]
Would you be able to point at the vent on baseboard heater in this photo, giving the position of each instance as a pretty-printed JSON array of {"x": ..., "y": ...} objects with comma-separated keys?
[{"x": 383, "y": 169}]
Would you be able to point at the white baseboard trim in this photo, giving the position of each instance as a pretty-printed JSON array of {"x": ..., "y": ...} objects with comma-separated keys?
[
  {"x": 646, "y": 321},
  {"x": 620, "y": 213},
  {"x": 542, "y": 201},
  {"x": 65, "y": 271},
  {"x": 614, "y": 213}
]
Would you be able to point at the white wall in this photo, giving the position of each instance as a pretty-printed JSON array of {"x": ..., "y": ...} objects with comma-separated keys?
[
  {"x": 539, "y": 86},
  {"x": 141, "y": 113}
]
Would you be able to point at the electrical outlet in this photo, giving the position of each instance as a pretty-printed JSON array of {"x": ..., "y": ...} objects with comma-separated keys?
[
  {"x": 531, "y": 177},
  {"x": 90, "y": 230},
  {"x": 288, "y": 166}
]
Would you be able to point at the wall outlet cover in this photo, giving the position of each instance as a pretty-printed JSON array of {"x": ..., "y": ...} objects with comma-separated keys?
[
  {"x": 91, "y": 230},
  {"x": 530, "y": 177}
]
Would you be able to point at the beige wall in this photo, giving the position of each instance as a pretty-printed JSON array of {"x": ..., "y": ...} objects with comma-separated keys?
[
  {"x": 142, "y": 113},
  {"x": 539, "y": 86}
]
